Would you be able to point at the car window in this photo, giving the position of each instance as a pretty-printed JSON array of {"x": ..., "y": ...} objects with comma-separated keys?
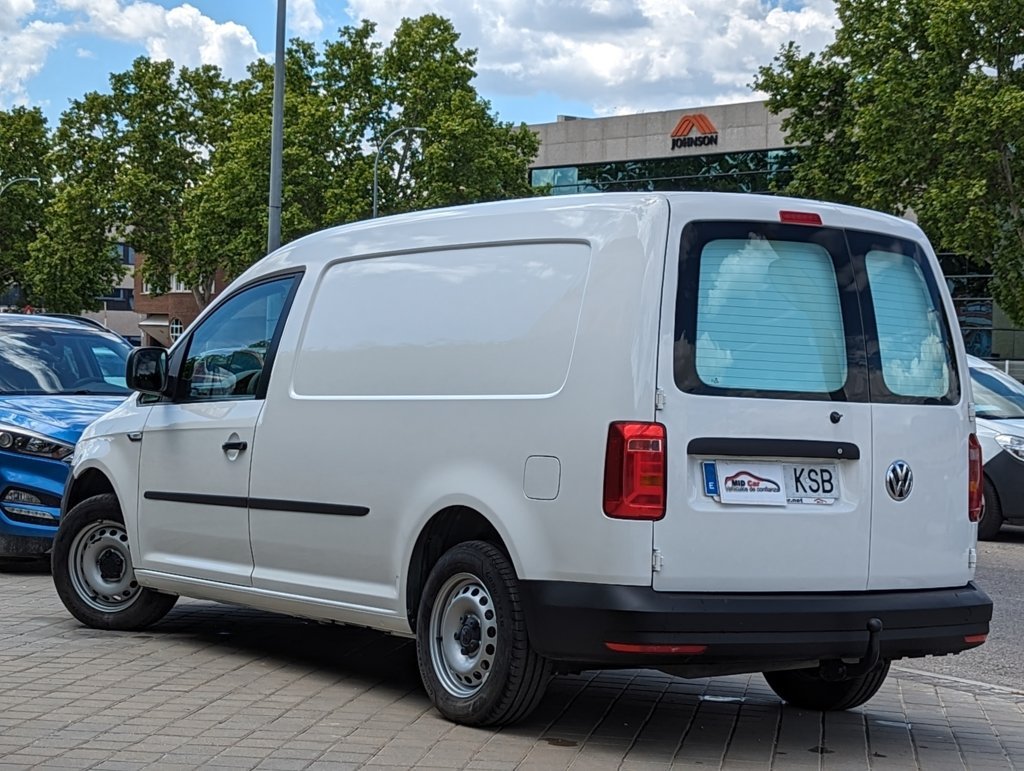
[
  {"x": 911, "y": 340},
  {"x": 110, "y": 364},
  {"x": 61, "y": 361},
  {"x": 769, "y": 317},
  {"x": 997, "y": 396},
  {"x": 227, "y": 351}
]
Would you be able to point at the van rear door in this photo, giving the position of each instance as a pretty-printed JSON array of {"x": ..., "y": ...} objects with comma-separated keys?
[
  {"x": 816, "y": 434},
  {"x": 921, "y": 535},
  {"x": 767, "y": 413}
]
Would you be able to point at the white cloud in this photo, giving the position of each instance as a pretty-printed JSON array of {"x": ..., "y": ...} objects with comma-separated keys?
[
  {"x": 85, "y": 53},
  {"x": 303, "y": 19},
  {"x": 620, "y": 56},
  {"x": 25, "y": 50},
  {"x": 182, "y": 33},
  {"x": 11, "y": 11}
]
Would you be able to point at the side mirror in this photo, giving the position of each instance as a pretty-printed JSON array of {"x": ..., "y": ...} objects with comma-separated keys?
[{"x": 146, "y": 370}]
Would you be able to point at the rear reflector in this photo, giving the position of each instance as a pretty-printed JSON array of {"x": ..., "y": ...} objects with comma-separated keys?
[
  {"x": 975, "y": 639},
  {"x": 800, "y": 217},
  {"x": 975, "y": 481},
  {"x": 634, "y": 471},
  {"x": 673, "y": 650}
]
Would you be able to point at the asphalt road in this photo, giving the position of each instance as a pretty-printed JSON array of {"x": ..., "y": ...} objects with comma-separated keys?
[{"x": 1000, "y": 661}]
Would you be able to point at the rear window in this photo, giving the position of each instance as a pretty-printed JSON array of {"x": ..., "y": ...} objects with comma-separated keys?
[
  {"x": 768, "y": 317},
  {"x": 788, "y": 311},
  {"x": 915, "y": 357}
]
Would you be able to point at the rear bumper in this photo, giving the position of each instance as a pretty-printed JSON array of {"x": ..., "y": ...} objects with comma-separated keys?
[{"x": 572, "y": 622}]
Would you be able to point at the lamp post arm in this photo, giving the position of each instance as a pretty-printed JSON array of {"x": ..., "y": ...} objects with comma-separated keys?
[
  {"x": 376, "y": 160},
  {"x": 10, "y": 182}
]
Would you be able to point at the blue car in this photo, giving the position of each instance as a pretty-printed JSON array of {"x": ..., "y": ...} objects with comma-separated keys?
[{"x": 57, "y": 375}]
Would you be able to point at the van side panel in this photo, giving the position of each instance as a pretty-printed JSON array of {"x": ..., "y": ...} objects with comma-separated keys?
[{"x": 427, "y": 377}]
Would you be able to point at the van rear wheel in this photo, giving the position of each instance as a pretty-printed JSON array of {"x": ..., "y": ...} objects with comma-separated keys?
[
  {"x": 473, "y": 651},
  {"x": 806, "y": 689}
]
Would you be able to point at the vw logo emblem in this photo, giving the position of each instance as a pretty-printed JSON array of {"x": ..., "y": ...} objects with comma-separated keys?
[{"x": 899, "y": 480}]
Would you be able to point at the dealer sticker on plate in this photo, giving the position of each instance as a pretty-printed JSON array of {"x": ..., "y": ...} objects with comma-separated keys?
[{"x": 755, "y": 483}]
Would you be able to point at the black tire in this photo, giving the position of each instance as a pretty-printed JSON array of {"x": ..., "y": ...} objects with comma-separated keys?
[
  {"x": 991, "y": 521},
  {"x": 90, "y": 555},
  {"x": 805, "y": 689},
  {"x": 506, "y": 679}
]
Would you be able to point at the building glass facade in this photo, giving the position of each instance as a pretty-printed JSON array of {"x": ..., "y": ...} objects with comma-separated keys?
[{"x": 752, "y": 171}]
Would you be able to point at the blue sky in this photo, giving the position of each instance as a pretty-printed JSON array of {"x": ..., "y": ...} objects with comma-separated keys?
[{"x": 537, "y": 58}]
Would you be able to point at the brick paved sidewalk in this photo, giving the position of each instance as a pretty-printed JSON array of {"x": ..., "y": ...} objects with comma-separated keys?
[{"x": 219, "y": 687}]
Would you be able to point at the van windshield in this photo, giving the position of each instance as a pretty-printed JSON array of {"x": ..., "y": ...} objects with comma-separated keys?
[
  {"x": 997, "y": 396},
  {"x": 61, "y": 361}
]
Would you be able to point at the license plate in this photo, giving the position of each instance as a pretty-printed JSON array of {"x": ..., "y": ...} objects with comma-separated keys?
[
  {"x": 814, "y": 483},
  {"x": 756, "y": 483}
]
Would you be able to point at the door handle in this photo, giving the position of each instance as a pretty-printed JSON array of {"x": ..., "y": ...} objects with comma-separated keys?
[{"x": 239, "y": 446}]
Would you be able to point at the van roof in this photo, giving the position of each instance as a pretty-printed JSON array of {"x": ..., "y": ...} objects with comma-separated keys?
[{"x": 303, "y": 251}]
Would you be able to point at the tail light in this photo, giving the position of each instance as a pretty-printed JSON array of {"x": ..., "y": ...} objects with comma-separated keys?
[
  {"x": 975, "y": 482},
  {"x": 634, "y": 471}
]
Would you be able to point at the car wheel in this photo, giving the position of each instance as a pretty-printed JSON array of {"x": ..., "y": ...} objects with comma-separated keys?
[
  {"x": 806, "y": 689},
  {"x": 991, "y": 514},
  {"x": 92, "y": 570},
  {"x": 473, "y": 651}
]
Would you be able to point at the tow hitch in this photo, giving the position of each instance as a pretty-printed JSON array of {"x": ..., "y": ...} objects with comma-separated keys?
[{"x": 836, "y": 670}]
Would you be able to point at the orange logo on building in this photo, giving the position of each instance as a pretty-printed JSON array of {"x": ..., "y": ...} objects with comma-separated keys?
[{"x": 707, "y": 134}]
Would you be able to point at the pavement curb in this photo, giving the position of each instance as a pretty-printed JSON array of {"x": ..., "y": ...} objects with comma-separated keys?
[{"x": 957, "y": 683}]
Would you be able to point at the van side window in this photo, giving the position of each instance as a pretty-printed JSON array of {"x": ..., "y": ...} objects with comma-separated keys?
[
  {"x": 227, "y": 351},
  {"x": 911, "y": 341},
  {"x": 769, "y": 317}
]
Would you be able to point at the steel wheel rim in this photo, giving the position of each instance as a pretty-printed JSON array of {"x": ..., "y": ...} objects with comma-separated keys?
[
  {"x": 100, "y": 567},
  {"x": 463, "y": 635}
]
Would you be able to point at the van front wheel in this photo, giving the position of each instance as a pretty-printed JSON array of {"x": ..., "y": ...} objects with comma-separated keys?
[
  {"x": 92, "y": 570},
  {"x": 472, "y": 647},
  {"x": 806, "y": 689}
]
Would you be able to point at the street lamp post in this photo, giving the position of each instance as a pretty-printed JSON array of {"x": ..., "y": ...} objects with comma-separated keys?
[
  {"x": 376, "y": 159},
  {"x": 277, "y": 135},
  {"x": 10, "y": 182}
]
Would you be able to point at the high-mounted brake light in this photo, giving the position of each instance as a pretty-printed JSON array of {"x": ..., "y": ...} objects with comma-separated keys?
[
  {"x": 975, "y": 480},
  {"x": 800, "y": 217},
  {"x": 634, "y": 471}
]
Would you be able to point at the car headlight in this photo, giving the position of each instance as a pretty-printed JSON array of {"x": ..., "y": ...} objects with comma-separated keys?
[
  {"x": 1012, "y": 444},
  {"x": 29, "y": 443}
]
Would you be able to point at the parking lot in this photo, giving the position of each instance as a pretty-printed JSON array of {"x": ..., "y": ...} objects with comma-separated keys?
[{"x": 219, "y": 687}]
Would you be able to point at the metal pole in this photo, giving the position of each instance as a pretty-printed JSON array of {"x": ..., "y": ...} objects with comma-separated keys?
[
  {"x": 376, "y": 160},
  {"x": 10, "y": 182},
  {"x": 277, "y": 136}
]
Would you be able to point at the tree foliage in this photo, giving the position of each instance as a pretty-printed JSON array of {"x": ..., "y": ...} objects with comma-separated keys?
[
  {"x": 124, "y": 161},
  {"x": 177, "y": 162},
  {"x": 918, "y": 105},
  {"x": 24, "y": 144},
  {"x": 340, "y": 104}
]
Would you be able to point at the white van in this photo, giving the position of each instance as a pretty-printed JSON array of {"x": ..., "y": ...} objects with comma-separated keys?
[{"x": 703, "y": 433}]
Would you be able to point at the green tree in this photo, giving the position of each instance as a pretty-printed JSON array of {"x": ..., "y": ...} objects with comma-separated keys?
[
  {"x": 918, "y": 105},
  {"x": 71, "y": 261},
  {"x": 340, "y": 104},
  {"x": 125, "y": 160},
  {"x": 24, "y": 144}
]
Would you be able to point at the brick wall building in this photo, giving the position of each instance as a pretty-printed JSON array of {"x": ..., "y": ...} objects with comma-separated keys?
[{"x": 166, "y": 316}]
